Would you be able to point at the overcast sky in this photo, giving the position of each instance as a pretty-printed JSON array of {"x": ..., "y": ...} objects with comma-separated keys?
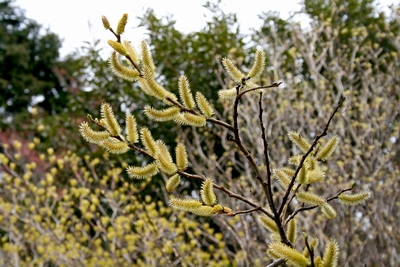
[{"x": 76, "y": 21}]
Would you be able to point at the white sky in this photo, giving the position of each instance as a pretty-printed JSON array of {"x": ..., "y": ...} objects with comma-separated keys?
[{"x": 76, "y": 21}]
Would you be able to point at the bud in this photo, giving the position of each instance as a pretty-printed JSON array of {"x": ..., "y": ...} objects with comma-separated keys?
[
  {"x": 118, "y": 47},
  {"x": 106, "y": 23}
]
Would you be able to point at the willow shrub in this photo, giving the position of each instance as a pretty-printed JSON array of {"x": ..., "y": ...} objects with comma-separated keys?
[
  {"x": 58, "y": 210},
  {"x": 277, "y": 213}
]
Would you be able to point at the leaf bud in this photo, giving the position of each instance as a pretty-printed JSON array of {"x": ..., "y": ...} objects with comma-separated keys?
[
  {"x": 118, "y": 47},
  {"x": 105, "y": 21}
]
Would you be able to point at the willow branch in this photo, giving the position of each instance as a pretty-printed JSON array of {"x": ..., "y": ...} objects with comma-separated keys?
[
  {"x": 324, "y": 132},
  {"x": 258, "y": 88}
]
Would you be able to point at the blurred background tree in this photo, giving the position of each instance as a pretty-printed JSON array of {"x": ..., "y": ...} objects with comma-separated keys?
[{"x": 28, "y": 58}]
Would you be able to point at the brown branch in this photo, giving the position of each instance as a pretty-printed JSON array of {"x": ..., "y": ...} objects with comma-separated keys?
[
  {"x": 221, "y": 123},
  {"x": 234, "y": 213},
  {"x": 116, "y": 35},
  {"x": 311, "y": 252},
  {"x": 285, "y": 197},
  {"x": 246, "y": 153},
  {"x": 267, "y": 185},
  {"x": 258, "y": 88},
  {"x": 128, "y": 57},
  {"x": 277, "y": 263}
]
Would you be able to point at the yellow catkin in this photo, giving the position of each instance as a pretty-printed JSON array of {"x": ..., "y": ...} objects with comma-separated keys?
[
  {"x": 227, "y": 94},
  {"x": 204, "y": 106},
  {"x": 147, "y": 58},
  {"x": 318, "y": 261},
  {"x": 131, "y": 51},
  {"x": 142, "y": 172},
  {"x": 354, "y": 199},
  {"x": 91, "y": 136},
  {"x": 161, "y": 115},
  {"x": 207, "y": 192},
  {"x": 114, "y": 146},
  {"x": 185, "y": 204},
  {"x": 148, "y": 141},
  {"x": 122, "y": 71},
  {"x": 315, "y": 176},
  {"x": 131, "y": 129},
  {"x": 282, "y": 177},
  {"x": 164, "y": 159},
  {"x": 291, "y": 255},
  {"x": 233, "y": 72},
  {"x": 191, "y": 119},
  {"x": 311, "y": 163},
  {"x": 268, "y": 223},
  {"x": 302, "y": 175},
  {"x": 310, "y": 198},
  {"x": 118, "y": 47},
  {"x": 218, "y": 209},
  {"x": 258, "y": 65},
  {"x": 291, "y": 231},
  {"x": 328, "y": 211},
  {"x": 295, "y": 160},
  {"x": 121, "y": 24},
  {"x": 155, "y": 88},
  {"x": 110, "y": 120},
  {"x": 299, "y": 141},
  {"x": 173, "y": 182},
  {"x": 106, "y": 23},
  {"x": 185, "y": 93},
  {"x": 331, "y": 254},
  {"x": 181, "y": 156},
  {"x": 327, "y": 150},
  {"x": 203, "y": 211}
]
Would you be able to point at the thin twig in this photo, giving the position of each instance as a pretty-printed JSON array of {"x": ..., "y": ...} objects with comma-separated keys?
[
  {"x": 258, "y": 88},
  {"x": 116, "y": 35},
  {"x": 311, "y": 252},
  {"x": 277, "y": 263},
  {"x": 234, "y": 213},
  {"x": 294, "y": 213},
  {"x": 128, "y": 57}
]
